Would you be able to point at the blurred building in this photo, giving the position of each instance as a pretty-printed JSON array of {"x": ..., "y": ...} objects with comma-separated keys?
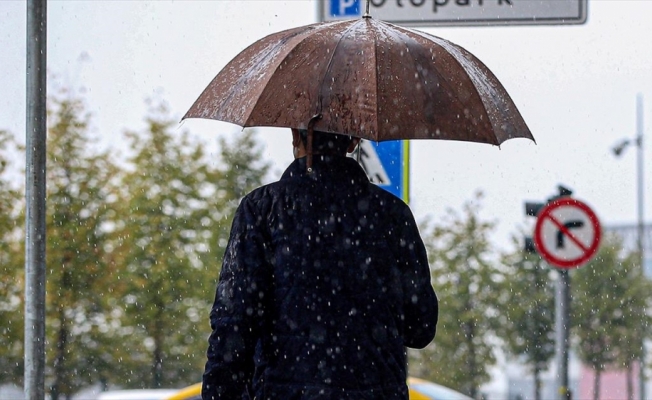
[
  {"x": 520, "y": 380},
  {"x": 629, "y": 234},
  {"x": 613, "y": 384},
  {"x": 9, "y": 391}
]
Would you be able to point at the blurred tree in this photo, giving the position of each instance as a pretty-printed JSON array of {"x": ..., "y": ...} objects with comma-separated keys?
[
  {"x": 80, "y": 191},
  {"x": 241, "y": 168},
  {"x": 637, "y": 321},
  {"x": 161, "y": 279},
  {"x": 176, "y": 208},
  {"x": 526, "y": 311},
  {"x": 463, "y": 275},
  {"x": 11, "y": 270},
  {"x": 132, "y": 254},
  {"x": 609, "y": 296}
]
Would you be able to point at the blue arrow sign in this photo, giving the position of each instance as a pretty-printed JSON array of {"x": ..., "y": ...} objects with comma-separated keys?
[{"x": 387, "y": 165}]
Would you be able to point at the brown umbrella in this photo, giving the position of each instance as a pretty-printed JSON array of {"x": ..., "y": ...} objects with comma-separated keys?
[{"x": 366, "y": 78}]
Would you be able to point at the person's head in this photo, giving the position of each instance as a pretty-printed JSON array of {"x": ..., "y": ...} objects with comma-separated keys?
[{"x": 322, "y": 143}]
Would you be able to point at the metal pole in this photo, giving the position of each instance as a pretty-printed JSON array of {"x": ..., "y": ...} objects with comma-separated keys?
[
  {"x": 34, "y": 385},
  {"x": 641, "y": 233},
  {"x": 562, "y": 320}
]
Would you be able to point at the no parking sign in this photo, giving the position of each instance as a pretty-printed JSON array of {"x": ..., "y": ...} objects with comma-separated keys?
[{"x": 567, "y": 233}]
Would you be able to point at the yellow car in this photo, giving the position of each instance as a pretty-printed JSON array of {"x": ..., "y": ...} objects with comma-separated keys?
[
  {"x": 419, "y": 390},
  {"x": 424, "y": 390}
]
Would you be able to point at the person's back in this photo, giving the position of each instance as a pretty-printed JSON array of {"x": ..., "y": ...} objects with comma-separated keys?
[{"x": 325, "y": 282}]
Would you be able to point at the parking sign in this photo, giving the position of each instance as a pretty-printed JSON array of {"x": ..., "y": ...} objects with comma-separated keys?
[
  {"x": 460, "y": 12},
  {"x": 345, "y": 8}
]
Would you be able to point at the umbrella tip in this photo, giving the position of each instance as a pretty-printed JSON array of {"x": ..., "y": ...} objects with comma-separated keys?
[{"x": 366, "y": 13}]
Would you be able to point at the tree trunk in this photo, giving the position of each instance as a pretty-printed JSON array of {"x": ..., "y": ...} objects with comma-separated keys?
[
  {"x": 596, "y": 385},
  {"x": 537, "y": 382},
  {"x": 157, "y": 375},
  {"x": 157, "y": 366},
  {"x": 630, "y": 381},
  {"x": 469, "y": 328},
  {"x": 60, "y": 359}
]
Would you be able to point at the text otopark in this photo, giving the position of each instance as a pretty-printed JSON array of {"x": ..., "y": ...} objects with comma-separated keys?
[{"x": 437, "y": 4}]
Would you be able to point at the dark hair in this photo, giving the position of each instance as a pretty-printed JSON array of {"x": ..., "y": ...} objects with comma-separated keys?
[{"x": 326, "y": 142}]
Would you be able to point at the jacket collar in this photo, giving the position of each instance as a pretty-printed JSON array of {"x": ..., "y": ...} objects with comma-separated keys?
[{"x": 327, "y": 167}]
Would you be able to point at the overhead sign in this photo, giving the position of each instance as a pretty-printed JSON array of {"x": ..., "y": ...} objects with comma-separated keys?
[
  {"x": 567, "y": 233},
  {"x": 460, "y": 12},
  {"x": 387, "y": 165}
]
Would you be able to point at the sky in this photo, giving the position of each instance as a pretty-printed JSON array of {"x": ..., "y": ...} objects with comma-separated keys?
[{"x": 575, "y": 85}]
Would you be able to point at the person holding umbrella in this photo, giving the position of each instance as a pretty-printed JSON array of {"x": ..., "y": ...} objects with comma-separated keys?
[
  {"x": 325, "y": 278},
  {"x": 324, "y": 282}
]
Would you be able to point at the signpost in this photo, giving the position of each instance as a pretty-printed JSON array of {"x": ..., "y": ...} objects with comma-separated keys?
[
  {"x": 35, "y": 185},
  {"x": 567, "y": 234},
  {"x": 460, "y": 12}
]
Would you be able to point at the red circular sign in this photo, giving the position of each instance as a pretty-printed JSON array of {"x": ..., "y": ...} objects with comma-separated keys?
[{"x": 567, "y": 233}]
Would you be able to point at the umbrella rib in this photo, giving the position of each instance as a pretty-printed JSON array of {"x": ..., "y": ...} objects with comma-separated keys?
[
  {"x": 457, "y": 56},
  {"x": 485, "y": 82},
  {"x": 280, "y": 62},
  {"x": 329, "y": 68},
  {"x": 301, "y": 40},
  {"x": 407, "y": 37},
  {"x": 376, "y": 85}
]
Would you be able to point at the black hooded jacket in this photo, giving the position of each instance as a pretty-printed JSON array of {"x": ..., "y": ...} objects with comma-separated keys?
[{"x": 324, "y": 282}]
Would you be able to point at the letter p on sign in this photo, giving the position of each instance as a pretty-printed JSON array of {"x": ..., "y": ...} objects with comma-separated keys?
[{"x": 341, "y": 8}]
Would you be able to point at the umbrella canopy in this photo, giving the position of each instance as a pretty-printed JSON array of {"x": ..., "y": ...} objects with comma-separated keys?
[{"x": 365, "y": 78}]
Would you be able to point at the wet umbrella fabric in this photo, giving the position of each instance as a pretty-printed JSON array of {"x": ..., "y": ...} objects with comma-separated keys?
[{"x": 363, "y": 77}]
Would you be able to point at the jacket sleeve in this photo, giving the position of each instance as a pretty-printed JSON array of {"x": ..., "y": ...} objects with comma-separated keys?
[
  {"x": 420, "y": 304},
  {"x": 238, "y": 311}
]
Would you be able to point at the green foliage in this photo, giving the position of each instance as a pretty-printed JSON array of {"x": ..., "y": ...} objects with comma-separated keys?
[
  {"x": 526, "y": 310},
  {"x": 463, "y": 276},
  {"x": 637, "y": 322},
  {"x": 176, "y": 211},
  {"x": 609, "y": 296},
  {"x": 241, "y": 170},
  {"x": 161, "y": 202},
  {"x": 133, "y": 251},
  {"x": 11, "y": 272},
  {"x": 79, "y": 194}
]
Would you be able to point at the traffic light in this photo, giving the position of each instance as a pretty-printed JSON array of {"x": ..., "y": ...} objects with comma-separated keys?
[
  {"x": 529, "y": 245},
  {"x": 532, "y": 209}
]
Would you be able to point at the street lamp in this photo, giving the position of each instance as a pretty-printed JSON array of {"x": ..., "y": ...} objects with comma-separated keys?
[{"x": 618, "y": 150}]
